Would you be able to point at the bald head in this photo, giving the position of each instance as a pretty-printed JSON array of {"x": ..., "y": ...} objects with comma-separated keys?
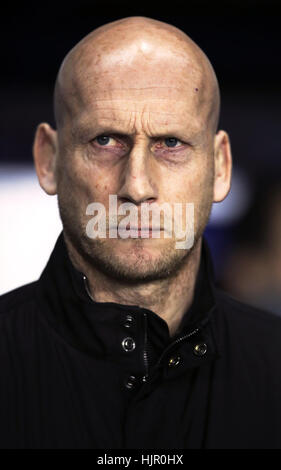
[{"x": 142, "y": 52}]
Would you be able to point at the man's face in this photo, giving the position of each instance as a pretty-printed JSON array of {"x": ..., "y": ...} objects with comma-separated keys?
[{"x": 137, "y": 129}]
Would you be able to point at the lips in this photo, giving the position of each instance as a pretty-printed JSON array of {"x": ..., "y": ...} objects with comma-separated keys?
[
  {"x": 136, "y": 232},
  {"x": 144, "y": 229},
  {"x": 154, "y": 229}
]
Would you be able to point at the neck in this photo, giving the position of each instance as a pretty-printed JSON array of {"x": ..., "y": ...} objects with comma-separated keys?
[{"x": 169, "y": 298}]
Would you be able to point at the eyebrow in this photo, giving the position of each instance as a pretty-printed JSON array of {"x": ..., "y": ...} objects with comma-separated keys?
[
  {"x": 86, "y": 131},
  {"x": 187, "y": 137}
]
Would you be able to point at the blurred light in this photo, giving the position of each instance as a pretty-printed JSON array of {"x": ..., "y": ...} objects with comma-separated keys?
[{"x": 30, "y": 225}]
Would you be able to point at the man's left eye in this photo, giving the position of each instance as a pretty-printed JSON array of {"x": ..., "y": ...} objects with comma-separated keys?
[
  {"x": 103, "y": 139},
  {"x": 171, "y": 142}
]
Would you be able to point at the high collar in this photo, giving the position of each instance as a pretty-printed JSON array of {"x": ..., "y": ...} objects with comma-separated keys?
[{"x": 98, "y": 328}]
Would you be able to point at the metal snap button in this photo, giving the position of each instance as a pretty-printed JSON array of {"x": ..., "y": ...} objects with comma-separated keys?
[
  {"x": 131, "y": 382},
  {"x": 128, "y": 344},
  {"x": 174, "y": 361},
  {"x": 200, "y": 349},
  {"x": 129, "y": 321}
]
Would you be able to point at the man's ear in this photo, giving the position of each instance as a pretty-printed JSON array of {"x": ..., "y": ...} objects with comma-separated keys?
[
  {"x": 45, "y": 151},
  {"x": 223, "y": 166}
]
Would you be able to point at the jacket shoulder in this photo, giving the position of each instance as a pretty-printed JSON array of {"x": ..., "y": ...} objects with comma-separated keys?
[
  {"x": 247, "y": 323},
  {"x": 231, "y": 305},
  {"x": 18, "y": 297}
]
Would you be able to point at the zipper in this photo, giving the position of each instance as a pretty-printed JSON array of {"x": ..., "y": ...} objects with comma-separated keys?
[
  {"x": 145, "y": 358},
  {"x": 179, "y": 340},
  {"x": 145, "y": 355},
  {"x": 182, "y": 338}
]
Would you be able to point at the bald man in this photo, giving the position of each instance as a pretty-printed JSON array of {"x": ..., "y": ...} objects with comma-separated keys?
[{"x": 125, "y": 342}]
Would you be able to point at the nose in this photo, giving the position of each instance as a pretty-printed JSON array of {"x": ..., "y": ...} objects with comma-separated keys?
[{"x": 137, "y": 179}]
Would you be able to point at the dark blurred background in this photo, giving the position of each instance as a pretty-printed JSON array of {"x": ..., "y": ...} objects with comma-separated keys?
[{"x": 243, "y": 41}]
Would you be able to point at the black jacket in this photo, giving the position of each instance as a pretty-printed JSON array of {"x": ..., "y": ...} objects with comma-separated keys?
[{"x": 75, "y": 373}]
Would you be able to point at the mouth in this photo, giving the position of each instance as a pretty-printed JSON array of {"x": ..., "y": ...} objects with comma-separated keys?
[{"x": 139, "y": 232}]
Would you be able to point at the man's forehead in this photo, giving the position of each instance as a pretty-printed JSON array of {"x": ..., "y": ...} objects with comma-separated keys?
[
  {"x": 157, "y": 91},
  {"x": 142, "y": 71},
  {"x": 156, "y": 108},
  {"x": 160, "y": 95},
  {"x": 131, "y": 118}
]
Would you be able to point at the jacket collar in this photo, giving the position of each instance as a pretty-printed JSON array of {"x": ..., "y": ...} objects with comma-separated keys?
[{"x": 98, "y": 328}]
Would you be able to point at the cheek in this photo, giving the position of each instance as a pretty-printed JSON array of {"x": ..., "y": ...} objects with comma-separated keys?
[
  {"x": 72, "y": 191},
  {"x": 86, "y": 184},
  {"x": 194, "y": 187}
]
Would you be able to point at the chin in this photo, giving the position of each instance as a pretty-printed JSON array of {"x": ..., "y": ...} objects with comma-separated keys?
[{"x": 135, "y": 261}]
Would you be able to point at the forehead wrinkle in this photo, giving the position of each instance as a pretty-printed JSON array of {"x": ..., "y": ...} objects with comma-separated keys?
[
  {"x": 136, "y": 111},
  {"x": 95, "y": 117},
  {"x": 126, "y": 100},
  {"x": 99, "y": 121},
  {"x": 146, "y": 88},
  {"x": 129, "y": 126},
  {"x": 107, "y": 91},
  {"x": 187, "y": 97},
  {"x": 115, "y": 111},
  {"x": 80, "y": 104}
]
